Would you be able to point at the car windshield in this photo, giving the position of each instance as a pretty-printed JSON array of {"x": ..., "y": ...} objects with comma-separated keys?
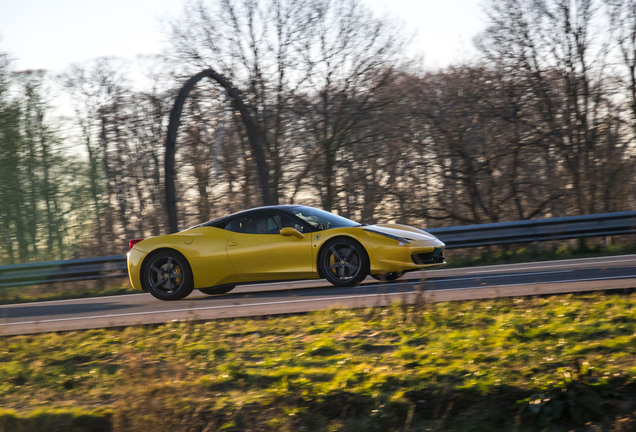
[{"x": 322, "y": 220}]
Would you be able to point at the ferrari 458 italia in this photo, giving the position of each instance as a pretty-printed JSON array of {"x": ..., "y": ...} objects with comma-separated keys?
[{"x": 276, "y": 243}]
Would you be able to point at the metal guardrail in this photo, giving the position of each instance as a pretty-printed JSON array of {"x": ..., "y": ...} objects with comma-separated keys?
[
  {"x": 80, "y": 269},
  {"x": 457, "y": 237},
  {"x": 536, "y": 230}
]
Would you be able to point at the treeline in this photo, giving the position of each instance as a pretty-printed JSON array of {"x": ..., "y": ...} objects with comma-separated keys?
[{"x": 543, "y": 124}]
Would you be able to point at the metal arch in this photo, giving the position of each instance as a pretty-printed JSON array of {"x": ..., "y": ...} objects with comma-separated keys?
[{"x": 173, "y": 125}]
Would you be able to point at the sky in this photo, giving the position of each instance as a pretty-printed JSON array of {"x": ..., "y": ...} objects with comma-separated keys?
[{"x": 53, "y": 34}]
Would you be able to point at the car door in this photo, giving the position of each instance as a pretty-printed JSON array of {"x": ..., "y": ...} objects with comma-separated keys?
[{"x": 259, "y": 252}]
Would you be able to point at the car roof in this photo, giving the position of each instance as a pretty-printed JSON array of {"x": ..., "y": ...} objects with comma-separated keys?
[{"x": 221, "y": 220}]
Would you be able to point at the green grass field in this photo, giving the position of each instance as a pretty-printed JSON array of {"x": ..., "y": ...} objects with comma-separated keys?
[{"x": 557, "y": 363}]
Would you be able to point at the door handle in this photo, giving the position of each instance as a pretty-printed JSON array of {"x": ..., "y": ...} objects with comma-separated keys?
[{"x": 232, "y": 244}]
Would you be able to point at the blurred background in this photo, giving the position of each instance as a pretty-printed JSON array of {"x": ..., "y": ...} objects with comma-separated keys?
[{"x": 532, "y": 116}]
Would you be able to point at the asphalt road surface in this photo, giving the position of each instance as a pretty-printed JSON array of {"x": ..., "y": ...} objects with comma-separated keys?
[{"x": 552, "y": 277}]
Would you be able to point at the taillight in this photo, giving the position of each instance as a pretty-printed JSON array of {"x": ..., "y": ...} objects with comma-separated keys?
[{"x": 133, "y": 242}]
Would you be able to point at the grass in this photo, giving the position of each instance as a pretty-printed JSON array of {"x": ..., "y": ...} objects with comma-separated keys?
[{"x": 562, "y": 363}]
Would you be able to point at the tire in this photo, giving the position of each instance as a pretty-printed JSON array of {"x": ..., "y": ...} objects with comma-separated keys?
[
  {"x": 385, "y": 277},
  {"x": 167, "y": 276},
  {"x": 343, "y": 262},
  {"x": 219, "y": 289}
]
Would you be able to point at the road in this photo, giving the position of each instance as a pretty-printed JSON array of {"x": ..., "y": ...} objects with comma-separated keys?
[{"x": 552, "y": 277}]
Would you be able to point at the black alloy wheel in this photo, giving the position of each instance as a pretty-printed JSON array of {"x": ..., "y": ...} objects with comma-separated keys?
[
  {"x": 167, "y": 276},
  {"x": 343, "y": 262}
]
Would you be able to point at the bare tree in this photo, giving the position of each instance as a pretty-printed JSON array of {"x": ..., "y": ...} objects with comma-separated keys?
[
  {"x": 351, "y": 57},
  {"x": 557, "y": 50},
  {"x": 43, "y": 179},
  {"x": 82, "y": 85},
  {"x": 308, "y": 71},
  {"x": 256, "y": 46},
  {"x": 12, "y": 227},
  {"x": 38, "y": 212},
  {"x": 622, "y": 17},
  {"x": 123, "y": 134},
  {"x": 482, "y": 163}
]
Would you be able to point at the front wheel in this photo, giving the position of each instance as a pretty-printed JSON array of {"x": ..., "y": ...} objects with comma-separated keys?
[
  {"x": 343, "y": 262},
  {"x": 167, "y": 276}
]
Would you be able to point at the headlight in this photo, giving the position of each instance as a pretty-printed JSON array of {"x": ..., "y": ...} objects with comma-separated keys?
[{"x": 391, "y": 236}]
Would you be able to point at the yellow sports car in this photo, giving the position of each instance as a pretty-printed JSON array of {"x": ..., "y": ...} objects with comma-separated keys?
[{"x": 276, "y": 243}]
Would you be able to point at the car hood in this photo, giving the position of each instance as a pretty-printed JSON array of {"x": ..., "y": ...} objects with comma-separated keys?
[{"x": 408, "y": 232}]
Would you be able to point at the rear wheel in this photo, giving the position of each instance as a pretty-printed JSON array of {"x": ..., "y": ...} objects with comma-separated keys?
[
  {"x": 167, "y": 276},
  {"x": 343, "y": 261},
  {"x": 219, "y": 289}
]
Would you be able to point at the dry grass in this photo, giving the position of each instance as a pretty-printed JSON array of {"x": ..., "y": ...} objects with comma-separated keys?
[{"x": 525, "y": 364}]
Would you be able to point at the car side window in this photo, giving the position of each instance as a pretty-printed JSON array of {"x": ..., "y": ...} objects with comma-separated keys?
[
  {"x": 277, "y": 222},
  {"x": 257, "y": 225},
  {"x": 263, "y": 224},
  {"x": 289, "y": 222},
  {"x": 233, "y": 225},
  {"x": 254, "y": 224}
]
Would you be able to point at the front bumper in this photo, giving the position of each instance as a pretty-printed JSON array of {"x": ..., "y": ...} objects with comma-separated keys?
[
  {"x": 408, "y": 259},
  {"x": 434, "y": 257}
]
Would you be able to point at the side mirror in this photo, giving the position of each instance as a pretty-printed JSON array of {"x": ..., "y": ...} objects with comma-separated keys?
[{"x": 291, "y": 232}]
